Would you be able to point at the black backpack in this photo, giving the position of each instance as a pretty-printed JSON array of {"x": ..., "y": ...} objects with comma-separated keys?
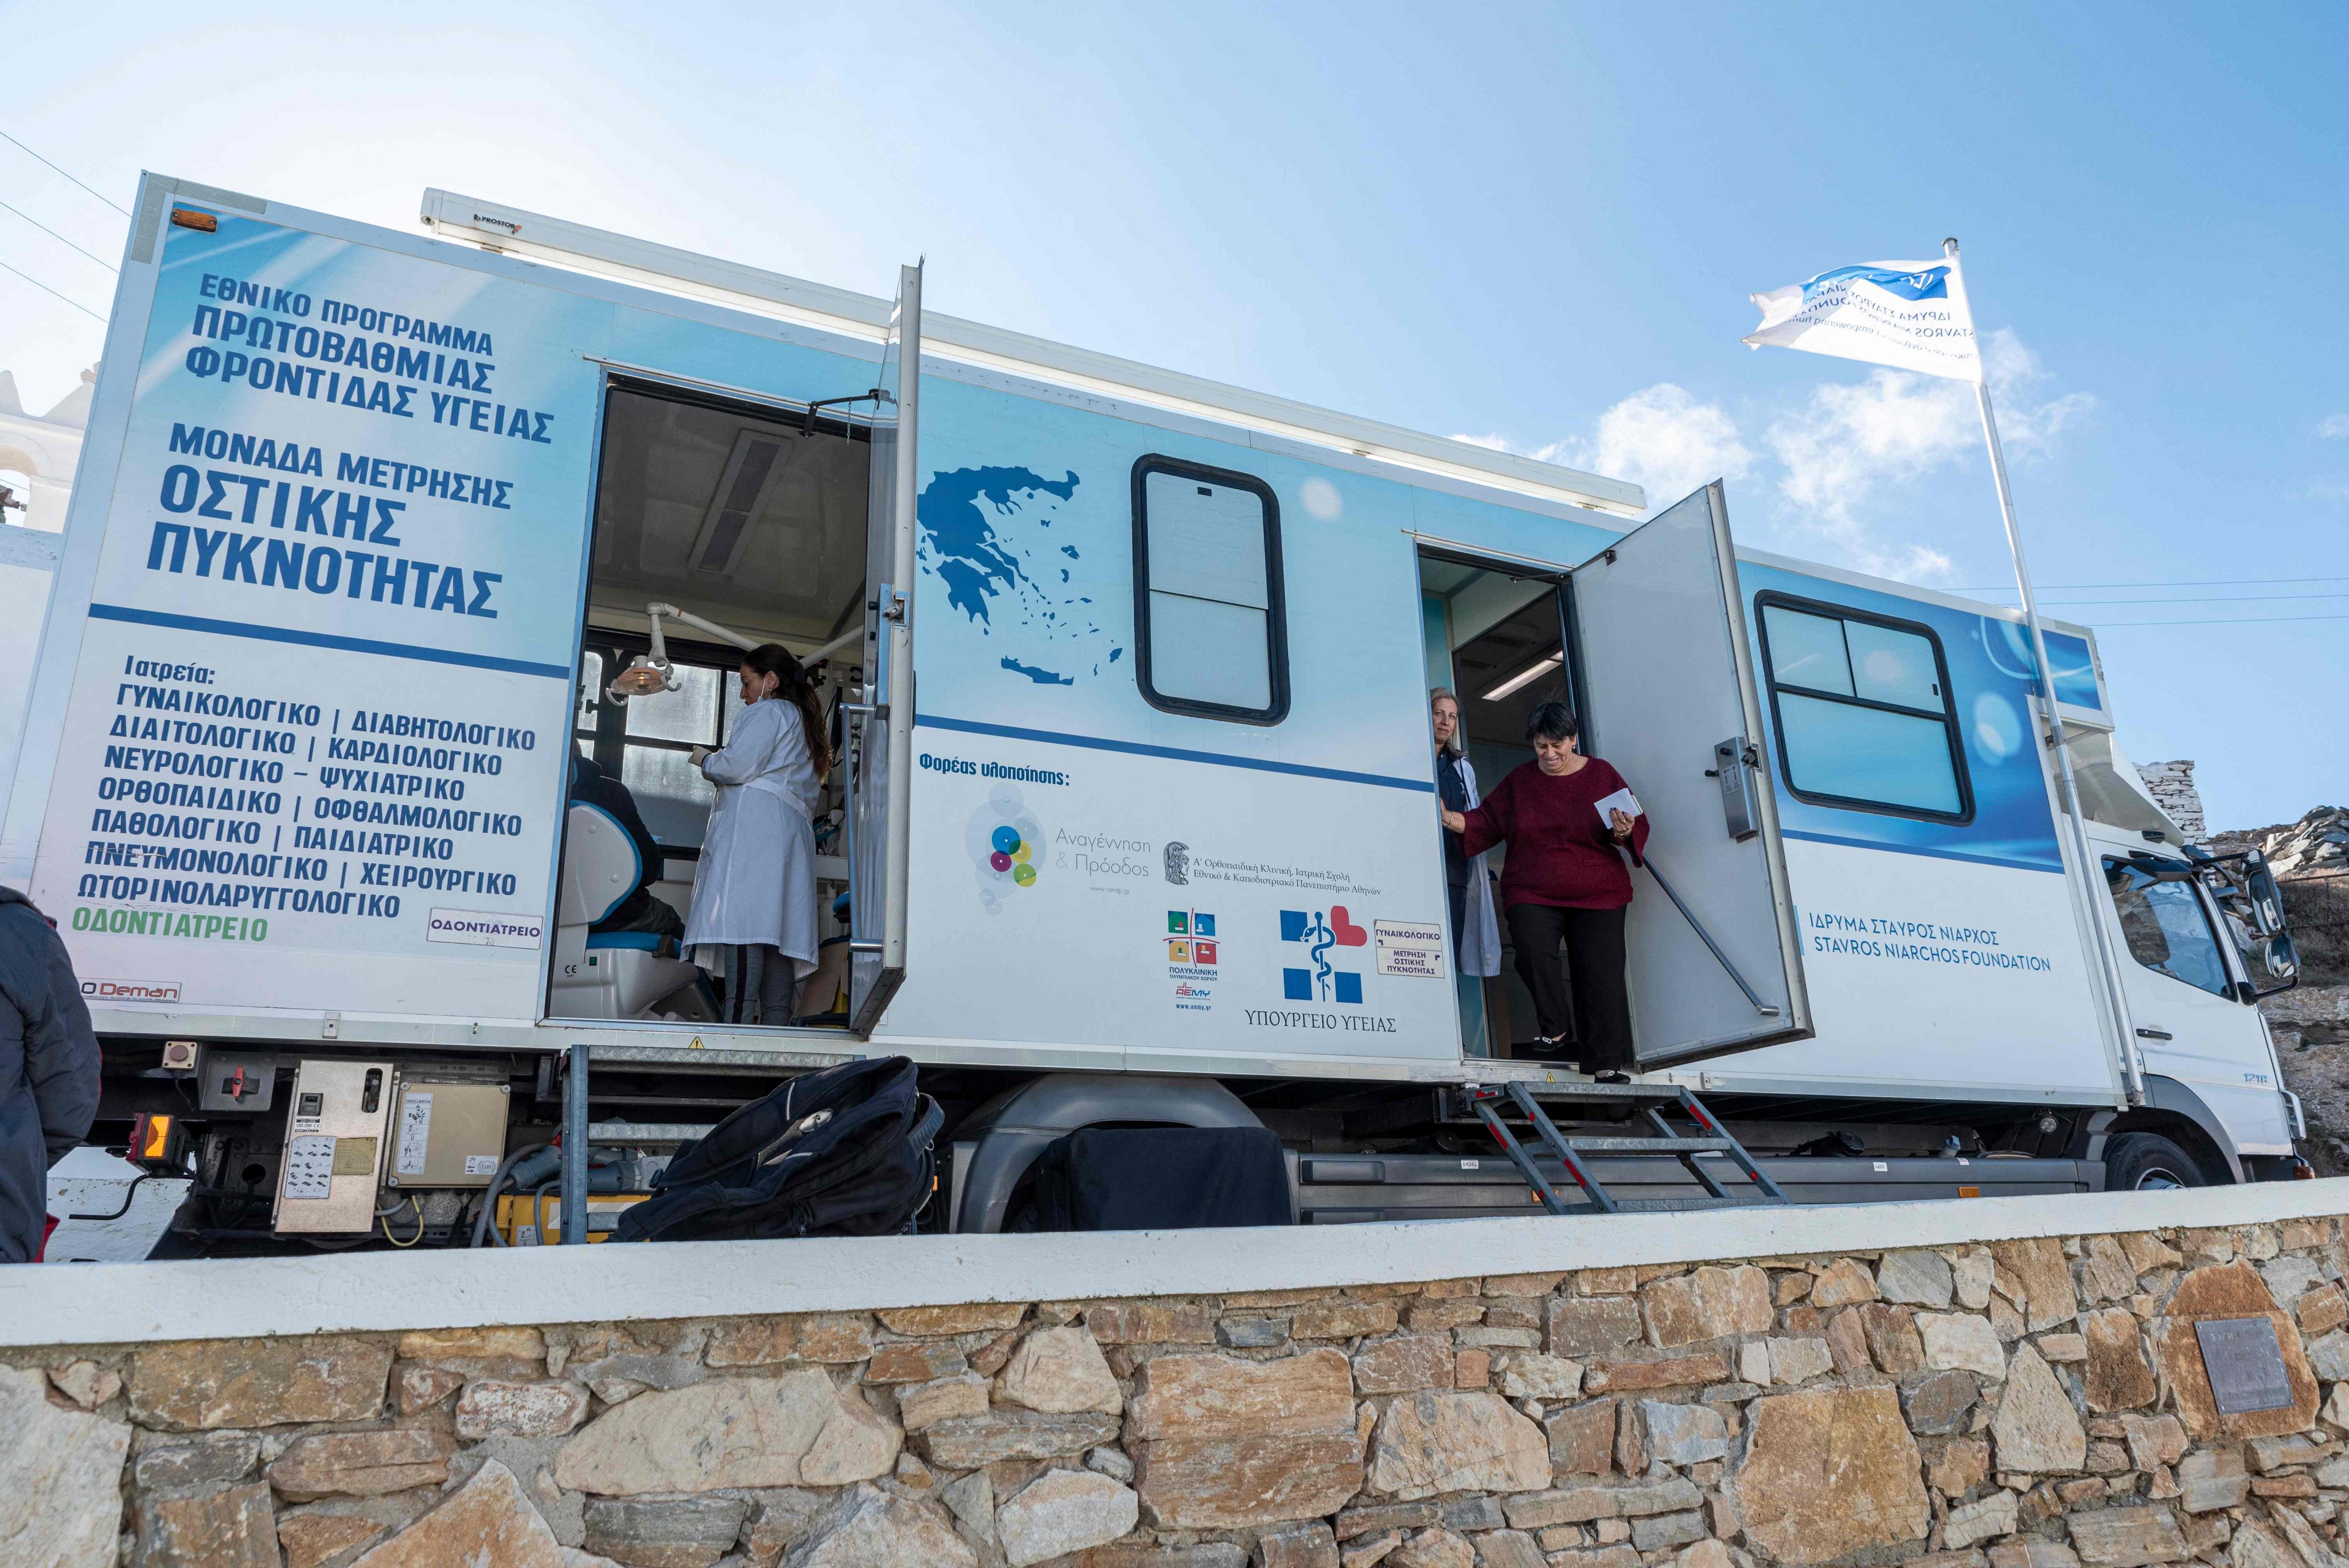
[{"x": 841, "y": 1152}]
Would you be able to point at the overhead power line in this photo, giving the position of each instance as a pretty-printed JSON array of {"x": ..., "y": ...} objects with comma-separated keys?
[
  {"x": 2211, "y": 599},
  {"x": 2181, "y": 583},
  {"x": 30, "y": 153},
  {"x": 57, "y": 237},
  {"x": 44, "y": 288},
  {"x": 2240, "y": 620}
]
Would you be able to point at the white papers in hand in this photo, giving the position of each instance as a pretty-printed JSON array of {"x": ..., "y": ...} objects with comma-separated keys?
[{"x": 1622, "y": 800}]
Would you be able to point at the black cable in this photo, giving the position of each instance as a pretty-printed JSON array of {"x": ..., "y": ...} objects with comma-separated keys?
[
  {"x": 127, "y": 1193},
  {"x": 489, "y": 1197}
]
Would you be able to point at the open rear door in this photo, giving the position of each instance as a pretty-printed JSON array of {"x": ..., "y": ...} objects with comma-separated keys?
[
  {"x": 1666, "y": 681},
  {"x": 880, "y": 744}
]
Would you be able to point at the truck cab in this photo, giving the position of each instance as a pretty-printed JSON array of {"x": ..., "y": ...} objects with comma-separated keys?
[{"x": 2191, "y": 972}]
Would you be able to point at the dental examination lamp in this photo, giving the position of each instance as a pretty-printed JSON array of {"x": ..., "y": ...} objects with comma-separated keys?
[{"x": 648, "y": 674}]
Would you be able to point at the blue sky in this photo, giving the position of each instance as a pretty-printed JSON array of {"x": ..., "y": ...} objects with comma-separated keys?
[{"x": 1535, "y": 227}]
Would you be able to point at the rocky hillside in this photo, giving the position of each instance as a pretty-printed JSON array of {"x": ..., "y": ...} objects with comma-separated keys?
[{"x": 2311, "y": 1022}]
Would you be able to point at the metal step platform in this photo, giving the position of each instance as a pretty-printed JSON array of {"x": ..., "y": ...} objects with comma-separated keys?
[{"x": 1494, "y": 1106}]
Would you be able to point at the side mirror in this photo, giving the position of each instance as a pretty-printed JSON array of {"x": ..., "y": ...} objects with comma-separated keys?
[
  {"x": 2266, "y": 898},
  {"x": 2280, "y": 957}
]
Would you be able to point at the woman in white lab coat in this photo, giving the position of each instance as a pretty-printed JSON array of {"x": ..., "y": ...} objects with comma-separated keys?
[
  {"x": 1475, "y": 932},
  {"x": 753, "y": 915}
]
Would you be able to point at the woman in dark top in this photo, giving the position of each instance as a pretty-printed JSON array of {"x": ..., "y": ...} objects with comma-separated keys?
[{"x": 1565, "y": 880}]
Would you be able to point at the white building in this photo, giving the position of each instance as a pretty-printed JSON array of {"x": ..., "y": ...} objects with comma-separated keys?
[{"x": 44, "y": 449}]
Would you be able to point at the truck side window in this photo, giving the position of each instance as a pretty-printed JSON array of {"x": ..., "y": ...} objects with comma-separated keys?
[
  {"x": 2166, "y": 928},
  {"x": 1863, "y": 711},
  {"x": 1210, "y": 631}
]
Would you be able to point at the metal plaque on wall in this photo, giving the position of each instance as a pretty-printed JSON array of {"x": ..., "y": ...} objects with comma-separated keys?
[{"x": 2245, "y": 1364}]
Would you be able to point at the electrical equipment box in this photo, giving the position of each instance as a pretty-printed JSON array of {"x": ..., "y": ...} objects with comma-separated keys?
[
  {"x": 235, "y": 1080},
  {"x": 335, "y": 1135},
  {"x": 449, "y": 1129},
  {"x": 526, "y": 1222}
]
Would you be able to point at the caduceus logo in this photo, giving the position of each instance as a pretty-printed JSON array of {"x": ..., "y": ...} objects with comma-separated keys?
[{"x": 1319, "y": 933}]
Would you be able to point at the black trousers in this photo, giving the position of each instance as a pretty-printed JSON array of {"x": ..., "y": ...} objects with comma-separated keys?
[{"x": 1599, "y": 1015}]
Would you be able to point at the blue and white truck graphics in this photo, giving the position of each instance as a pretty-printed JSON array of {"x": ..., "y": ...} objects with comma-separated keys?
[{"x": 1153, "y": 789}]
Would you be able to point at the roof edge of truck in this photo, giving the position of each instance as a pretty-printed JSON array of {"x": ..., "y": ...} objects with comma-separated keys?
[
  {"x": 1894, "y": 585},
  {"x": 667, "y": 269}
]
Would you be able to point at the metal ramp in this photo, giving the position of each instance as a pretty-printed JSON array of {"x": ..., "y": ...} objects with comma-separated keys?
[{"x": 1493, "y": 1104}]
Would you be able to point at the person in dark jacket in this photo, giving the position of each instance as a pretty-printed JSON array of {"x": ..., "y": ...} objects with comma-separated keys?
[
  {"x": 48, "y": 1070},
  {"x": 640, "y": 911},
  {"x": 1565, "y": 880}
]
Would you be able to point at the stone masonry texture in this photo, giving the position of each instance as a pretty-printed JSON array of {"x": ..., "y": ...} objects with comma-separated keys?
[{"x": 2033, "y": 1404}]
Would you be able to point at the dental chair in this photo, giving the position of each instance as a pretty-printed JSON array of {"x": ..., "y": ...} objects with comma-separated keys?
[{"x": 605, "y": 974}]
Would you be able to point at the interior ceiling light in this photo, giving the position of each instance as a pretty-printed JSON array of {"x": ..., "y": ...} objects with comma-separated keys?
[
  {"x": 1528, "y": 676},
  {"x": 757, "y": 461}
]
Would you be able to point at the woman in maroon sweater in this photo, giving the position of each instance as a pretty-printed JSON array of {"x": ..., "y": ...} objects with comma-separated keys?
[{"x": 1565, "y": 880}]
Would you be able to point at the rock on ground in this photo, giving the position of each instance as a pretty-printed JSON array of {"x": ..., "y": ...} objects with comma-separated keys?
[
  {"x": 486, "y": 1521},
  {"x": 878, "y": 1531},
  {"x": 199, "y": 1384},
  {"x": 793, "y": 1430},
  {"x": 1064, "y": 1512},
  {"x": 1432, "y": 1443},
  {"x": 1827, "y": 1471},
  {"x": 1060, "y": 1370},
  {"x": 61, "y": 1477},
  {"x": 2036, "y": 1427}
]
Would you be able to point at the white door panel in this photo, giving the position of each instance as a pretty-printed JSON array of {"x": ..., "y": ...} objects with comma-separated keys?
[
  {"x": 1669, "y": 688},
  {"x": 880, "y": 737}
]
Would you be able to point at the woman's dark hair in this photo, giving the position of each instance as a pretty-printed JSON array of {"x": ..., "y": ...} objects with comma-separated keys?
[
  {"x": 791, "y": 681},
  {"x": 1552, "y": 722}
]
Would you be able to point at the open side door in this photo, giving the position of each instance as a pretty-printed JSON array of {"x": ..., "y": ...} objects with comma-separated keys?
[
  {"x": 1665, "y": 676},
  {"x": 879, "y": 743}
]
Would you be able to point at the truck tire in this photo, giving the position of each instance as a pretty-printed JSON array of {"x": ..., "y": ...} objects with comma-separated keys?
[{"x": 2144, "y": 1162}]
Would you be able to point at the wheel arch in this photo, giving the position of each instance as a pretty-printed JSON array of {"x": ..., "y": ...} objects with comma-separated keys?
[
  {"x": 2178, "y": 1114},
  {"x": 1005, "y": 1134}
]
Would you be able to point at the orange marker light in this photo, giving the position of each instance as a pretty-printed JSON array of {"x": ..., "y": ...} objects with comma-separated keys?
[
  {"x": 152, "y": 1138},
  {"x": 188, "y": 218}
]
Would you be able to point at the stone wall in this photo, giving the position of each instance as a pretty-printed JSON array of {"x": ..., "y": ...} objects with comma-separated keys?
[
  {"x": 2032, "y": 1403},
  {"x": 2171, "y": 784}
]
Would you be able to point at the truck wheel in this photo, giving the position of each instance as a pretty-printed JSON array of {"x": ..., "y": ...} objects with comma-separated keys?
[{"x": 2146, "y": 1162}]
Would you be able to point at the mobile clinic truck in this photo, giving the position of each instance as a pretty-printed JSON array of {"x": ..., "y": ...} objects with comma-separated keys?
[{"x": 1135, "y": 820}]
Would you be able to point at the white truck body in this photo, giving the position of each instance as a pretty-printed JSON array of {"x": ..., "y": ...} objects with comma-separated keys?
[{"x": 293, "y": 767}]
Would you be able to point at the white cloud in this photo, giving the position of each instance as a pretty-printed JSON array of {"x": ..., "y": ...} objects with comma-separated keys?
[
  {"x": 2333, "y": 426},
  {"x": 1841, "y": 457},
  {"x": 2026, "y": 426},
  {"x": 1851, "y": 443},
  {"x": 1660, "y": 438},
  {"x": 1664, "y": 440}
]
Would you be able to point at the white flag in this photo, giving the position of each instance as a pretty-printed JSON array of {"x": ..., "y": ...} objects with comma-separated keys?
[{"x": 1911, "y": 316}]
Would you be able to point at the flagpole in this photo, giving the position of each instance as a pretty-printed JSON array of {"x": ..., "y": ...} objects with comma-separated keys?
[{"x": 2068, "y": 786}]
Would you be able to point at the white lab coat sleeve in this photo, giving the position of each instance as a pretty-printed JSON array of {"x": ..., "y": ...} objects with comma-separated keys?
[
  {"x": 755, "y": 880},
  {"x": 1480, "y": 940},
  {"x": 749, "y": 751}
]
